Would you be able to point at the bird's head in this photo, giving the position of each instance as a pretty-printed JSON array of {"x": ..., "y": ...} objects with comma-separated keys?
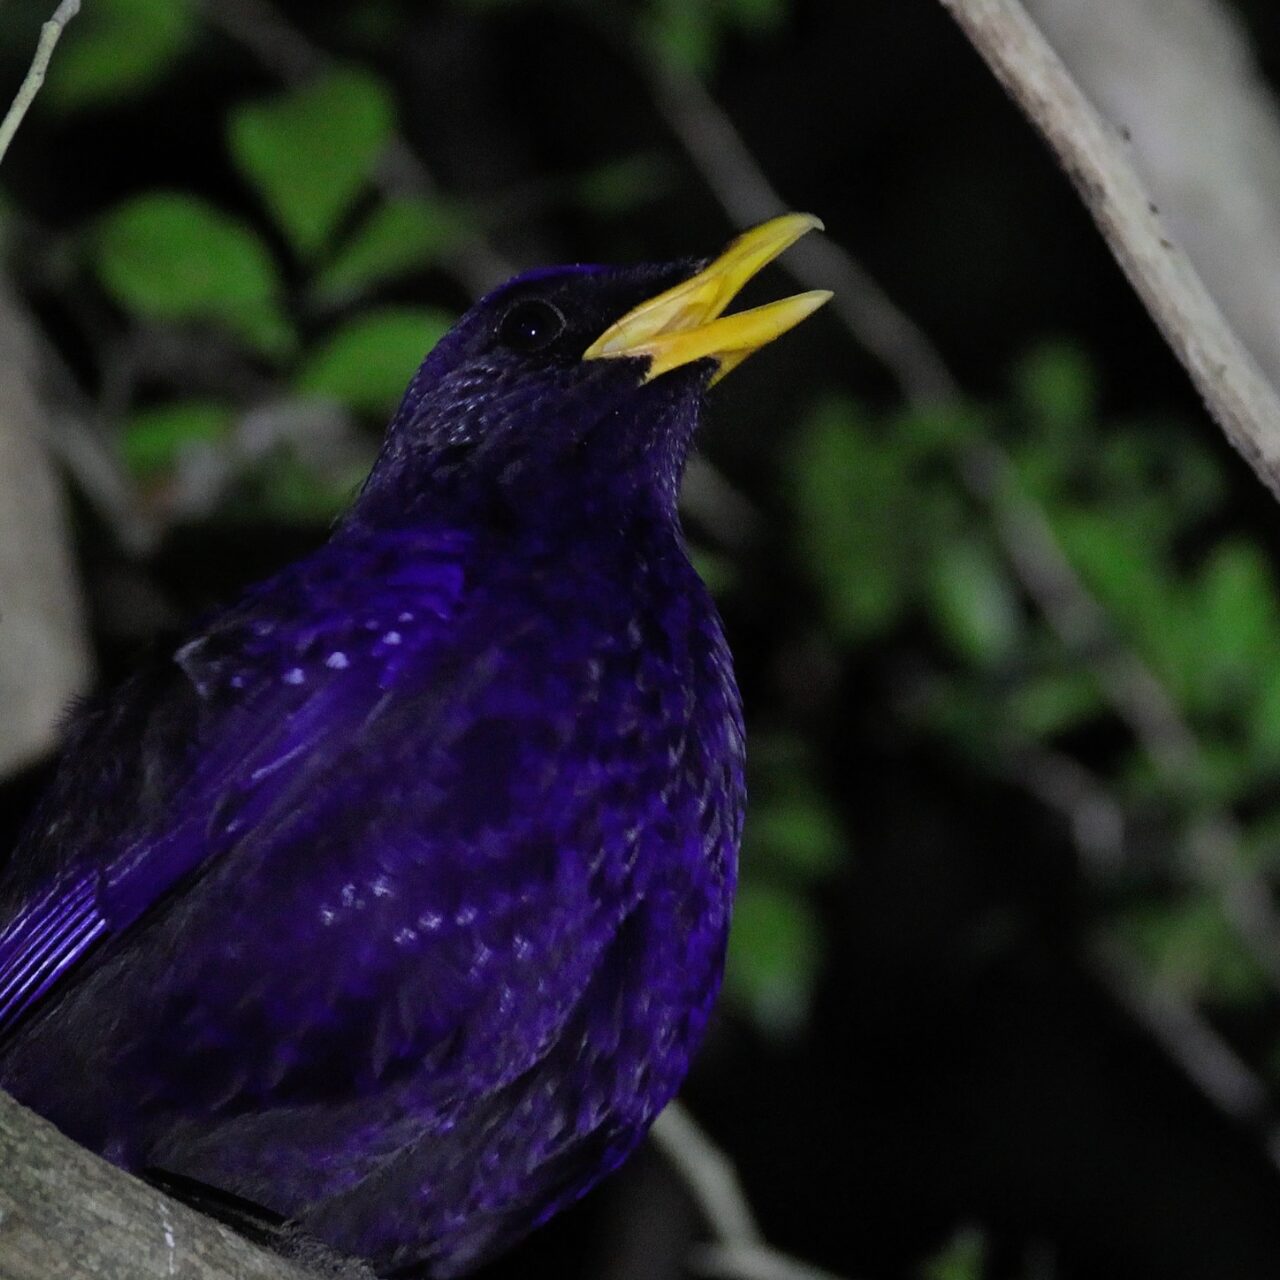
[{"x": 575, "y": 391}]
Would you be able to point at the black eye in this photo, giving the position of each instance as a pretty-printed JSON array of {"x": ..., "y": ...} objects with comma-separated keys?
[{"x": 531, "y": 325}]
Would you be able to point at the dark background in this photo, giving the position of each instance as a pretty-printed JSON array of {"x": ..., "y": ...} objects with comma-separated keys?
[{"x": 946, "y": 1049}]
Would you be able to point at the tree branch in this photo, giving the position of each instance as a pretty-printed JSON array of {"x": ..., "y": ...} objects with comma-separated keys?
[
  {"x": 44, "y": 650},
  {"x": 26, "y": 95},
  {"x": 1234, "y": 390},
  {"x": 120, "y": 1229},
  {"x": 739, "y": 1251},
  {"x": 987, "y": 472},
  {"x": 745, "y": 193},
  {"x": 1203, "y": 130}
]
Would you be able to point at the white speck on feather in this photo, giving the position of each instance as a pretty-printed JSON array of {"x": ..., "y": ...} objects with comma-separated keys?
[
  {"x": 171, "y": 1243},
  {"x": 294, "y": 676},
  {"x": 337, "y": 660},
  {"x": 392, "y": 637},
  {"x": 406, "y": 616}
]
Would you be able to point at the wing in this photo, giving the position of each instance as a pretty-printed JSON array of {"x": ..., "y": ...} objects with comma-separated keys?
[{"x": 159, "y": 777}]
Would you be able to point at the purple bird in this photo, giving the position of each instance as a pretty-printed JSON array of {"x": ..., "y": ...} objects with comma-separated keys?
[{"x": 394, "y": 901}]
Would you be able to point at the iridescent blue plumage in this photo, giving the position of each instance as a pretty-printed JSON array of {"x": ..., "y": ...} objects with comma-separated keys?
[{"x": 395, "y": 899}]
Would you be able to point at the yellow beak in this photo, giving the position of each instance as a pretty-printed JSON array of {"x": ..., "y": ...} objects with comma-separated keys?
[{"x": 687, "y": 322}]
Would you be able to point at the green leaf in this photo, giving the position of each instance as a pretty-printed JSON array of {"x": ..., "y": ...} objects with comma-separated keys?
[
  {"x": 685, "y": 35},
  {"x": 152, "y": 439},
  {"x": 1263, "y": 718},
  {"x": 310, "y": 151},
  {"x": 1057, "y": 384},
  {"x": 172, "y": 257},
  {"x": 1129, "y": 574},
  {"x": 1189, "y": 945},
  {"x": 758, "y": 17},
  {"x": 857, "y": 518},
  {"x": 775, "y": 950},
  {"x": 796, "y": 832},
  {"x": 1237, "y": 625},
  {"x": 367, "y": 364},
  {"x": 1055, "y": 702},
  {"x": 284, "y": 488},
  {"x": 115, "y": 48},
  {"x": 973, "y": 602},
  {"x": 401, "y": 235},
  {"x": 622, "y": 185},
  {"x": 718, "y": 572},
  {"x": 964, "y": 1257},
  {"x": 937, "y": 432}
]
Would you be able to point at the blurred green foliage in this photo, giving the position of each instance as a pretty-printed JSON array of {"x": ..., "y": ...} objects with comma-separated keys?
[
  {"x": 169, "y": 256},
  {"x": 306, "y": 286},
  {"x": 964, "y": 1257},
  {"x": 897, "y": 545},
  {"x": 152, "y": 440},
  {"x": 119, "y": 47},
  {"x": 310, "y": 151},
  {"x": 364, "y": 364}
]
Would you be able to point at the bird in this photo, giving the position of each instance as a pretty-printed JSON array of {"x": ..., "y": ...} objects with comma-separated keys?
[{"x": 393, "y": 899}]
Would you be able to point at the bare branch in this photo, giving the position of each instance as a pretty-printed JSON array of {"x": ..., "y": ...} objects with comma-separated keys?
[
  {"x": 1203, "y": 129},
  {"x": 286, "y": 52},
  {"x": 747, "y": 196},
  {"x": 120, "y": 1229},
  {"x": 1171, "y": 1019},
  {"x": 44, "y": 651},
  {"x": 1236, "y": 393},
  {"x": 708, "y": 1173},
  {"x": 1023, "y": 529},
  {"x": 1192, "y": 1042},
  {"x": 739, "y": 1251},
  {"x": 50, "y": 33}
]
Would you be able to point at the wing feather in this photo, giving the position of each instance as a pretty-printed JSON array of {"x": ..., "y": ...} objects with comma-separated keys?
[{"x": 163, "y": 774}]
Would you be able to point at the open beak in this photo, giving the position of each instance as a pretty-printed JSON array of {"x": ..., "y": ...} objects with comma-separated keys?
[{"x": 687, "y": 322}]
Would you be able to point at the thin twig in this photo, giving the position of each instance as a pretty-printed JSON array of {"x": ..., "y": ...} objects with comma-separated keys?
[
  {"x": 288, "y": 54},
  {"x": 708, "y": 1173},
  {"x": 746, "y": 195},
  {"x": 739, "y": 1251},
  {"x": 1171, "y": 1019},
  {"x": 50, "y": 33},
  {"x": 986, "y": 470},
  {"x": 1234, "y": 389}
]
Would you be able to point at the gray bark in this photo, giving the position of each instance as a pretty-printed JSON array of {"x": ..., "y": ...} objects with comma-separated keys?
[
  {"x": 67, "y": 1215},
  {"x": 44, "y": 659},
  {"x": 1234, "y": 388},
  {"x": 1179, "y": 77}
]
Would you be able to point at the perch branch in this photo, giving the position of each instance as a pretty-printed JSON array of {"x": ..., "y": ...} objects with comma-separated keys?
[
  {"x": 44, "y": 651},
  {"x": 67, "y": 1215},
  {"x": 50, "y": 33},
  {"x": 1234, "y": 390}
]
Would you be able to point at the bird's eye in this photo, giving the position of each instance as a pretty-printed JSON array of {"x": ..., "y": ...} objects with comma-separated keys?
[{"x": 531, "y": 325}]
